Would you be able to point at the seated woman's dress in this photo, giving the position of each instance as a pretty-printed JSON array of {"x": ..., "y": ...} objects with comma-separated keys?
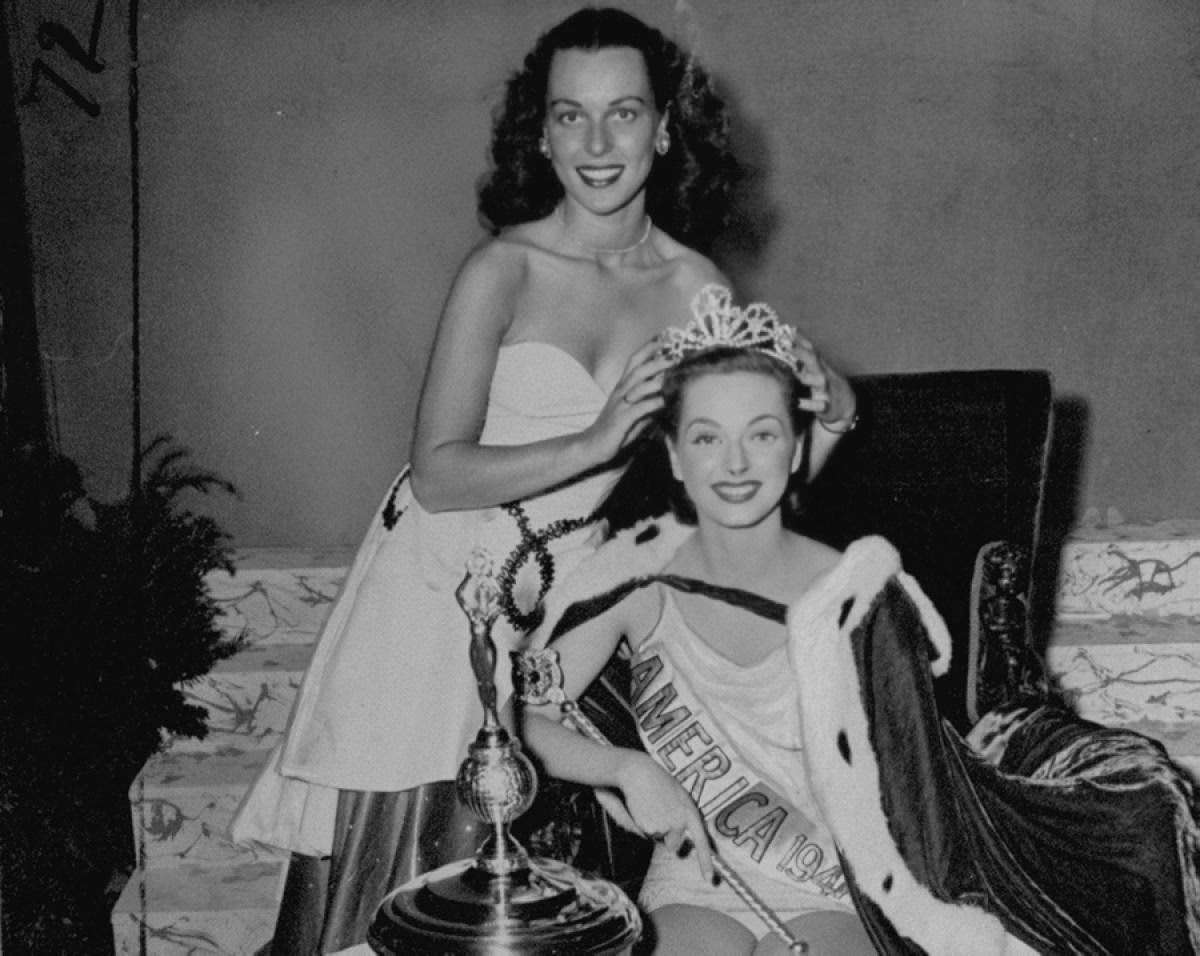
[
  {"x": 731, "y": 735},
  {"x": 389, "y": 701}
]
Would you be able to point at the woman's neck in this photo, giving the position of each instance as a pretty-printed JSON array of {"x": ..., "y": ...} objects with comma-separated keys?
[
  {"x": 749, "y": 558},
  {"x": 624, "y": 231}
]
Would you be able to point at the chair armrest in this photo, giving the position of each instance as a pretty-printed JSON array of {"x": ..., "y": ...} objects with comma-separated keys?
[{"x": 1003, "y": 667}]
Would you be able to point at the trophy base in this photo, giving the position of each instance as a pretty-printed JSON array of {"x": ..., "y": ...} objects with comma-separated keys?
[{"x": 544, "y": 908}]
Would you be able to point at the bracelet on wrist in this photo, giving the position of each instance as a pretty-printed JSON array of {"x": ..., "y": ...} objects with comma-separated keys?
[{"x": 840, "y": 426}]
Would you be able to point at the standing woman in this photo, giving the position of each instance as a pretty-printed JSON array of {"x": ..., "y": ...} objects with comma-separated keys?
[{"x": 611, "y": 165}]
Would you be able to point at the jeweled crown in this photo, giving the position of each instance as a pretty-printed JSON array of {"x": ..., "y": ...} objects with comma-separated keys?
[{"x": 716, "y": 322}]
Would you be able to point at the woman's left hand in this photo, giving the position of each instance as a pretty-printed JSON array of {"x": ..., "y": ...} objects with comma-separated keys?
[{"x": 831, "y": 398}]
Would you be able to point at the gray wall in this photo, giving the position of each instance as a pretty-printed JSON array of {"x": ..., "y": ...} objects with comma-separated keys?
[{"x": 944, "y": 185}]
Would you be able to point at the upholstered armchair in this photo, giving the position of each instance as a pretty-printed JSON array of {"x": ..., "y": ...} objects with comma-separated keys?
[{"x": 949, "y": 466}]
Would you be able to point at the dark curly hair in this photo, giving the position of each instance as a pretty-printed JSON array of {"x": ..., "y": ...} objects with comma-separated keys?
[{"x": 689, "y": 191}]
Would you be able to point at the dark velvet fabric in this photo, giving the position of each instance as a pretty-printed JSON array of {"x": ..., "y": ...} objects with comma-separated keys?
[
  {"x": 1121, "y": 790},
  {"x": 1075, "y": 841}
]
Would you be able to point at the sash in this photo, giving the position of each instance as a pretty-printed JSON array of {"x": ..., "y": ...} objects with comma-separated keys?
[{"x": 750, "y": 822}]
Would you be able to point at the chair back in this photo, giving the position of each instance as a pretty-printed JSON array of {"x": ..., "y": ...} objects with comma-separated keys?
[{"x": 941, "y": 464}]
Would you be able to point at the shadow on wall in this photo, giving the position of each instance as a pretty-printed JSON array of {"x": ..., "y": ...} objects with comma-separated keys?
[
  {"x": 741, "y": 250},
  {"x": 1060, "y": 507}
]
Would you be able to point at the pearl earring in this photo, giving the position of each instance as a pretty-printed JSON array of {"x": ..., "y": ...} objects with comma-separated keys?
[
  {"x": 663, "y": 144},
  {"x": 544, "y": 147}
]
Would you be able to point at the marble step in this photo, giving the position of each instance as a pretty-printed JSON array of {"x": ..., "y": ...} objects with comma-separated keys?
[
  {"x": 1140, "y": 671},
  {"x": 282, "y": 596},
  {"x": 277, "y": 597},
  {"x": 277, "y": 602},
  {"x": 181, "y": 805},
  {"x": 183, "y": 911},
  {"x": 1090, "y": 630},
  {"x": 1137, "y": 570},
  {"x": 1121, "y": 669},
  {"x": 247, "y": 697}
]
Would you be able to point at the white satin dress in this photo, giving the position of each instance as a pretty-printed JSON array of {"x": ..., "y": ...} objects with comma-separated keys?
[{"x": 389, "y": 701}]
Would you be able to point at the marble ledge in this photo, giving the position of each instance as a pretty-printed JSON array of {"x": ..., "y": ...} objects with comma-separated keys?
[
  {"x": 198, "y": 909},
  {"x": 282, "y": 596},
  {"x": 1129, "y": 575},
  {"x": 1120, "y": 530},
  {"x": 247, "y": 698},
  {"x": 183, "y": 802},
  {"x": 269, "y": 606},
  {"x": 251, "y": 559},
  {"x": 1122, "y": 629},
  {"x": 1121, "y": 684}
]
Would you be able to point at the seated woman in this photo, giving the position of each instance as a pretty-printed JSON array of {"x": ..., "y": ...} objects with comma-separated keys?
[
  {"x": 783, "y": 696},
  {"x": 712, "y": 688}
]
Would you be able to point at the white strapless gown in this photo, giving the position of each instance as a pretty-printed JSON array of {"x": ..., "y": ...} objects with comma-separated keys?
[{"x": 389, "y": 701}]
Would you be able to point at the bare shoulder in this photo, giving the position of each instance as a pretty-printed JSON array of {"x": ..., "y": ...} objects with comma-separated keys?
[
  {"x": 486, "y": 288},
  {"x": 509, "y": 262},
  {"x": 637, "y": 616},
  {"x": 815, "y": 552},
  {"x": 686, "y": 272},
  {"x": 810, "y": 560},
  {"x": 496, "y": 260},
  {"x": 591, "y": 643},
  {"x": 690, "y": 270}
]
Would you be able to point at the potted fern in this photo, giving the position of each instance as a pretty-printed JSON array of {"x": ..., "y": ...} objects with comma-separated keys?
[{"x": 107, "y": 614}]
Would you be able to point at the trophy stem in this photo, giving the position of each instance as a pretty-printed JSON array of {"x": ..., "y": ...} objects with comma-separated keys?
[
  {"x": 483, "y": 663},
  {"x": 501, "y": 854}
]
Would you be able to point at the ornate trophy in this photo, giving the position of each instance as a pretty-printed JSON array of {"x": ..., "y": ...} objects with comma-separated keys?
[{"x": 502, "y": 901}]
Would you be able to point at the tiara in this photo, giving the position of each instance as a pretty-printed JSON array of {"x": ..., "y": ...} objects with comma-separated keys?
[{"x": 716, "y": 322}]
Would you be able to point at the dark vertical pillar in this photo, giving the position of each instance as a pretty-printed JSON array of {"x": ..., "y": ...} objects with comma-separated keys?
[{"x": 24, "y": 428}]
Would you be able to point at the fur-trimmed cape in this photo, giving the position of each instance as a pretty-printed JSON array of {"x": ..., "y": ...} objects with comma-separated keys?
[{"x": 1080, "y": 839}]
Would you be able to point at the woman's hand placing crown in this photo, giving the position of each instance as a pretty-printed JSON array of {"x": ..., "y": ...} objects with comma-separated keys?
[
  {"x": 633, "y": 400},
  {"x": 831, "y": 397}
]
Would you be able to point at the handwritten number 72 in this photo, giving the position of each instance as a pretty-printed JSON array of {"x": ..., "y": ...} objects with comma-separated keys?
[{"x": 51, "y": 35}]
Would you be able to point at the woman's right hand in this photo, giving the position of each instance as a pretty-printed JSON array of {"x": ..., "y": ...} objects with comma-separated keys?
[
  {"x": 631, "y": 403},
  {"x": 664, "y": 810}
]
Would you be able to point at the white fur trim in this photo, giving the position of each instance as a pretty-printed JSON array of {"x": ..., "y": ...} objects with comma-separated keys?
[
  {"x": 935, "y": 626},
  {"x": 615, "y": 562},
  {"x": 866, "y": 566},
  {"x": 849, "y": 793}
]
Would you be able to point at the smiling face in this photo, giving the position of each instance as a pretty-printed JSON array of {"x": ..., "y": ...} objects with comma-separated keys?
[
  {"x": 601, "y": 126},
  {"x": 736, "y": 447}
]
